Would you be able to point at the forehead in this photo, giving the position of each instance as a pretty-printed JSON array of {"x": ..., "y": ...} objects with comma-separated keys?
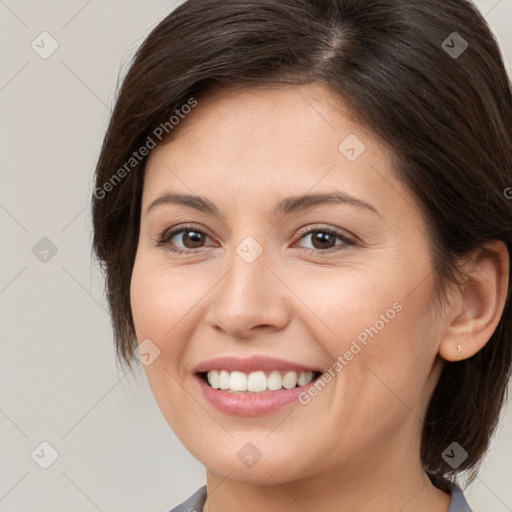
[
  {"x": 269, "y": 142},
  {"x": 282, "y": 117},
  {"x": 280, "y": 126}
]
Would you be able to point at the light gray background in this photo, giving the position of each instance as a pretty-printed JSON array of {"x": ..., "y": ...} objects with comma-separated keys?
[{"x": 59, "y": 382}]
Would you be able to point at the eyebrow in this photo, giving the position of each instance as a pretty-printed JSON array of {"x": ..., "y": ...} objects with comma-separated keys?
[{"x": 287, "y": 205}]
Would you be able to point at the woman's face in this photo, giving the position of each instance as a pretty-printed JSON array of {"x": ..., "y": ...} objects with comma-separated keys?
[{"x": 342, "y": 287}]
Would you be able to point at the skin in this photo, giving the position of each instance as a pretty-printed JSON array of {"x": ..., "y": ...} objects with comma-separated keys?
[{"x": 245, "y": 150}]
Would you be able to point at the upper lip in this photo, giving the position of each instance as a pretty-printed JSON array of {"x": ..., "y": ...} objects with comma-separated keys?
[{"x": 250, "y": 364}]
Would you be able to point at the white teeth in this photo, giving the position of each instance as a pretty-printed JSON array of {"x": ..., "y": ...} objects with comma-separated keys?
[
  {"x": 213, "y": 379},
  {"x": 223, "y": 380},
  {"x": 238, "y": 381},
  {"x": 274, "y": 381},
  {"x": 290, "y": 380},
  {"x": 257, "y": 382}
]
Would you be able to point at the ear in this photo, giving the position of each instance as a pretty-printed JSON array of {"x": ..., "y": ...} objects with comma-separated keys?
[{"x": 479, "y": 302}]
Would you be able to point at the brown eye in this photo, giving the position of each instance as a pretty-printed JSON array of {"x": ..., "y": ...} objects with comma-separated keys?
[
  {"x": 190, "y": 238},
  {"x": 324, "y": 240}
]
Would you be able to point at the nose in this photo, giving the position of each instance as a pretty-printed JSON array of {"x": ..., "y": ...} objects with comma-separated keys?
[{"x": 250, "y": 298}]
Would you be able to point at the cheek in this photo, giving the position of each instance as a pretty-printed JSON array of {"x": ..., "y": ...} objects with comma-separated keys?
[
  {"x": 379, "y": 325},
  {"x": 349, "y": 304},
  {"x": 157, "y": 307},
  {"x": 161, "y": 298},
  {"x": 392, "y": 369}
]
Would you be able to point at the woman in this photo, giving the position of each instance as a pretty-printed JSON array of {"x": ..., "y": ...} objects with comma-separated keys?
[{"x": 302, "y": 211}]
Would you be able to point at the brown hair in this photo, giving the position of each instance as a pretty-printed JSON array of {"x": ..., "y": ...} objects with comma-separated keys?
[{"x": 445, "y": 118}]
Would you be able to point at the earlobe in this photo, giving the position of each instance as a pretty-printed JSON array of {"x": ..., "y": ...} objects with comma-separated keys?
[{"x": 481, "y": 300}]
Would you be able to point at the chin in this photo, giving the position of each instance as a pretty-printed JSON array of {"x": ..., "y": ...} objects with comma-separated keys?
[{"x": 265, "y": 471}]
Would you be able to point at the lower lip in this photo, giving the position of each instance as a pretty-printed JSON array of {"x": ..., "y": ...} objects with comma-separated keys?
[{"x": 251, "y": 404}]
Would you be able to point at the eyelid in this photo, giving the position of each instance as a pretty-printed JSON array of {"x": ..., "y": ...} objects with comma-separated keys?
[{"x": 326, "y": 227}]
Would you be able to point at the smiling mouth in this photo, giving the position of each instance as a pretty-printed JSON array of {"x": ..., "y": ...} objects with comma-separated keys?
[{"x": 260, "y": 381}]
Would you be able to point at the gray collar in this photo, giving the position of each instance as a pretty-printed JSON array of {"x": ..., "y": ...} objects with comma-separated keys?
[{"x": 196, "y": 502}]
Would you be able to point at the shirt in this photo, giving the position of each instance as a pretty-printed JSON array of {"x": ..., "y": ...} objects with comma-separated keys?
[{"x": 196, "y": 502}]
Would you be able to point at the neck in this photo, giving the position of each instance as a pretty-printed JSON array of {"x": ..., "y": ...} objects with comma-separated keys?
[
  {"x": 226, "y": 495},
  {"x": 391, "y": 478}
]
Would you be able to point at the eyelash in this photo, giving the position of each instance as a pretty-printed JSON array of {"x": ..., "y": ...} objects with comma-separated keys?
[{"x": 165, "y": 237}]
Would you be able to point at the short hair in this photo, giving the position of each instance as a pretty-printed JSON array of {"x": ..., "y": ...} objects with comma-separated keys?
[{"x": 427, "y": 77}]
